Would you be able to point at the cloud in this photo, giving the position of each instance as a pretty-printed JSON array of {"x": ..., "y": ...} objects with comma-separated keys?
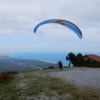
[{"x": 20, "y": 17}]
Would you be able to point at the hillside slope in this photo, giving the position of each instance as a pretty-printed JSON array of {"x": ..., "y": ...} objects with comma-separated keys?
[
  {"x": 47, "y": 85},
  {"x": 8, "y": 64}
]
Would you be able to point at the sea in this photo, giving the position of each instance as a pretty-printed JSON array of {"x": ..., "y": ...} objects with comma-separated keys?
[{"x": 51, "y": 57}]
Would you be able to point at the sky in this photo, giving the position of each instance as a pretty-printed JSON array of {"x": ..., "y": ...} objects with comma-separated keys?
[{"x": 19, "y": 17}]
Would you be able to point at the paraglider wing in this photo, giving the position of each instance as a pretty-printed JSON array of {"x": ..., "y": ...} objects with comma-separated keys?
[{"x": 66, "y": 23}]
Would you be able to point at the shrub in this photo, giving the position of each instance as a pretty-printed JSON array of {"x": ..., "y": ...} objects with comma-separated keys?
[
  {"x": 12, "y": 72},
  {"x": 51, "y": 67},
  {"x": 7, "y": 75},
  {"x": 4, "y": 77}
]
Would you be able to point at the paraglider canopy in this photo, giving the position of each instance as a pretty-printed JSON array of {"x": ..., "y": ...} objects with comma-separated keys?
[{"x": 66, "y": 23}]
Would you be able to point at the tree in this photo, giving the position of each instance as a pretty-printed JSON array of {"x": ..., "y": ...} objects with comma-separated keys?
[
  {"x": 72, "y": 58},
  {"x": 80, "y": 59},
  {"x": 67, "y": 58},
  {"x": 60, "y": 64}
]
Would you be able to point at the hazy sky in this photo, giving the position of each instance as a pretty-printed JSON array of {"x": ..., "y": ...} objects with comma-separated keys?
[{"x": 19, "y": 17}]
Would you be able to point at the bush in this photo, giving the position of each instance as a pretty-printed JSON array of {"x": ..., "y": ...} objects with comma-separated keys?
[
  {"x": 4, "y": 77},
  {"x": 51, "y": 67},
  {"x": 89, "y": 65},
  {"x": 97, "y": 65},
  {"x": 12, "y": 72},
  {"x": 93, "y": 65},
  {"x": 7, "y": 75}
]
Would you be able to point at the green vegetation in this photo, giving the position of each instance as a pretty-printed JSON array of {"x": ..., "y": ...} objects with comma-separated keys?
[
  {"x": 79, "y": 60},
  {"x": 50, "y": 67},
  {"x": 38, "y": 85}
]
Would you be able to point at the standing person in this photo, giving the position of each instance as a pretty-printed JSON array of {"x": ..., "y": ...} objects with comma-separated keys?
[{"x": 60, "y": 65}]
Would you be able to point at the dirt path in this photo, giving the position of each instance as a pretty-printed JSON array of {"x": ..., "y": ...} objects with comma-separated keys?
[{"x": 84, "y": 78}]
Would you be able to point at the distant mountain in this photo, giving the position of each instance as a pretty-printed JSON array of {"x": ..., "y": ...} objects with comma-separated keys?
[{"x": 8, "y": 64}]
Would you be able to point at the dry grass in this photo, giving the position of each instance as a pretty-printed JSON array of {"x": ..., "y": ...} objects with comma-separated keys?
[{"x": 38, "y": 85}]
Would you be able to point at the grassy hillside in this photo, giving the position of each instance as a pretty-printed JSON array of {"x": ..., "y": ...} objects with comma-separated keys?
[{"x": 39, "y": 85}]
